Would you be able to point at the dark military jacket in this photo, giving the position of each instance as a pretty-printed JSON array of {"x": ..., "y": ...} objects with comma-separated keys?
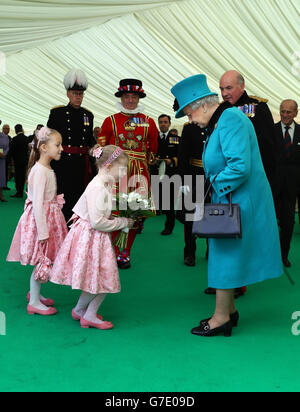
[
  {"x": 168, "y": 149},
  {"x": 190, "y": 160},
  {"x": 259, "y": 113},
  {"x": 76, "y": 127}
]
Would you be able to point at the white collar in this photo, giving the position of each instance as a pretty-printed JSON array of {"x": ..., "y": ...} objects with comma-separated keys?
[{"x": 122, "y": 109}]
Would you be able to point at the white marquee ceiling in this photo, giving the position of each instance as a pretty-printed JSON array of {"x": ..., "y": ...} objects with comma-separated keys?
[{"x": 158, "y": 42}]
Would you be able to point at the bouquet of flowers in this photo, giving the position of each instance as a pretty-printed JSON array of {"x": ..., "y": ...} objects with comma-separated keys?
[{"x": 132, "y": 206}]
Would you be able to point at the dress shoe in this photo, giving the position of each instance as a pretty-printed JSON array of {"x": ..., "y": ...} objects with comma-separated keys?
[
  {"x": 6, "y": 188},
  {"x": 124, "y": 265},
  {"x": 286, "y": 263},
  {"x": 205, "y": 330},
  {"x": 46, "y": 302},
  {"x": 210, "y": 291},
  {"x": 3, "y": 200},
  {"x": 123, "y": 260},
  {"x": 77, "y": 317},
  {"x": 238, "y": 292},
  {"x": 190, "y": 261},
  {"x": 167, "y": 232},
  {"x": 234, "y": 317},
  {"x": 85, "y": 324},
  {"x": 33, "y": 311}
]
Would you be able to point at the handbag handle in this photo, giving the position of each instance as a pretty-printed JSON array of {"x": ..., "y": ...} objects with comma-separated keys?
[
  {"x": 42, "y": 248},
  {"x": 229, "y": 195}
]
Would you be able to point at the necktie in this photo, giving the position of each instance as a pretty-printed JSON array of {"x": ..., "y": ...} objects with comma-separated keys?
[
  {"x": 163, "y": 136},
  {"x": 287, "y": 142}
]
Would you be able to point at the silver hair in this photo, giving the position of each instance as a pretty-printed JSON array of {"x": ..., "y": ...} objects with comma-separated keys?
[
  {"x": 290, "y": 100},
  {"x": 208, "y": 100},
  {"x": 241, "y": 80}
]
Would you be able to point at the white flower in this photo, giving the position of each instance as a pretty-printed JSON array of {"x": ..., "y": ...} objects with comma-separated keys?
[{"x": 134, "y": 197}]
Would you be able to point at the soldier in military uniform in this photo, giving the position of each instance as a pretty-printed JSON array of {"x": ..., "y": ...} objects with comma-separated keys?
[
  {"x": 167, "y": 152},
  {"x": 75, "y": 124},
  {"x": 232, "y": 86},
  {"x": 136, "y": 134},
  {"x": 190, "y": 164}
]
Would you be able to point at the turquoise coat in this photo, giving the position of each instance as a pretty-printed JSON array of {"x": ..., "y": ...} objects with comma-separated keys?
[{"x": 233, "y": 150}]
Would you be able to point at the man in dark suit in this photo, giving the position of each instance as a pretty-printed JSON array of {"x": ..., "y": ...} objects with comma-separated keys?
[
  {"x": 190, "y": 164},
  {"x": 19, "y": 152},
  {"x": 168, "y": 144},
  {"x": 232, "y": 86},
  {"x": 288, "y": 136},
  {"x": 75, "y": 124}
]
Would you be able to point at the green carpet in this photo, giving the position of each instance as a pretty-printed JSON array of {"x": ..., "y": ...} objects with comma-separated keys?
[{"x": 151, "y": 347}]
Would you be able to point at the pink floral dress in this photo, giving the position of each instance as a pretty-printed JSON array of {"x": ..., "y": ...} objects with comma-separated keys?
[
  {"x": 42, "y": 219},
  {"x": 87, "y": 259}
]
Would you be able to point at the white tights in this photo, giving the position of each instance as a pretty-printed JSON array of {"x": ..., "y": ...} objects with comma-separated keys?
[
  {"x": 35, "y": 294},
  {"x": 88, "y": 306}
]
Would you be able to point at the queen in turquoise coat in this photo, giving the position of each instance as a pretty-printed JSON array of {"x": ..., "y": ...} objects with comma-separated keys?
[
  {"x": 232, "y": 154},
  {"x": 232, "y": 151}
]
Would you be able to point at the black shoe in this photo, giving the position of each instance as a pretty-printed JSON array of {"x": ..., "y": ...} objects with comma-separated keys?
[
  {"x": 286, "y": 263},
  {"x": 204, "y": 330},
  {"x": 6, "y": 188},
  {"x": 124, "y": 265},
  {"x": 167, "y": 232},
  {"x": 234, "y": 317},
  {"x": 189, "y": 261},
  {"x": 238, "y": 292},
  {"x": 210, "y": 291}
]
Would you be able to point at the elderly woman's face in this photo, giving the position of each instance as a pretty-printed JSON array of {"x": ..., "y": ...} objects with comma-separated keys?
[{"x": 200, "y": 116}]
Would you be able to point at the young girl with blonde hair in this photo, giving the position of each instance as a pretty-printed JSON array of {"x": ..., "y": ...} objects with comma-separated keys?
[
  {"x": 87, "y": 260},
  {"x": 42, "y": 227}
]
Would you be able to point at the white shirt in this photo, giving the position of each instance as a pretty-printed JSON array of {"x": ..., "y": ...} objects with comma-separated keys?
[
  {"x": 291, "y": 130},
  {"x": 161, "y": 134}
]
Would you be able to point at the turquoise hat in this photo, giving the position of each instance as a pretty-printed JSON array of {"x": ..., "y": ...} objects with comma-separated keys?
[{"x": 189, "y": 90}]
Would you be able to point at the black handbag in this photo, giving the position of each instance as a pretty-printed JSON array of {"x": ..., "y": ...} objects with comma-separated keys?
[{"x": 217, "y": 220}]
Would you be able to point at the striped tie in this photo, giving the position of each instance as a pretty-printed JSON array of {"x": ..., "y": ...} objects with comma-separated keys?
[{"x": 287, "y": 142}]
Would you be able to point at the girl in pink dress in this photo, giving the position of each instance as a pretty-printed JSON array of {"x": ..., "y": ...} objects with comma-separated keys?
[
  {"x": 87, "y": 259},
  {"x": 42, "y": 227}
]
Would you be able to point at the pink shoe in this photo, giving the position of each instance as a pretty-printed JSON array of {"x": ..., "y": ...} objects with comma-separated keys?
[
  {"x": 46, "y": 302},
  {"x": 85, "y": 324},
  {"x": 33, "y": 311},
  {"x": 77, "y": 317}
]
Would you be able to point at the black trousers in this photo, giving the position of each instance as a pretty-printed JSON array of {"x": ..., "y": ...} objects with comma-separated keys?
[
  {"x": 170, "y": 212},
  {"x": 20, "y": 176},
  {"x": 190, "y": 241},
  {"x": 285, "y": 209}
]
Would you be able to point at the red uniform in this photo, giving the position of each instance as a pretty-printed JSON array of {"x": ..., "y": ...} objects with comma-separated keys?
[{"x": 136, "y": 134}]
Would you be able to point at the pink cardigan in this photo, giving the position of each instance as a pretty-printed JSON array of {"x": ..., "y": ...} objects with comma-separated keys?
[{"x": 95, "y": 206}]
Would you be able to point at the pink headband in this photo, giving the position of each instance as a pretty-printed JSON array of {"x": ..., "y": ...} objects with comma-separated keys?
[
  {"x": 114, "y": 156},
  {"x": 97, "y": 153}
]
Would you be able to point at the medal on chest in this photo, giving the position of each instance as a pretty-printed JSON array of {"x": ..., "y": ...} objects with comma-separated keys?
[
  {"x": 86, "y": 120},
  {"x": 248, "y": 109}
]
